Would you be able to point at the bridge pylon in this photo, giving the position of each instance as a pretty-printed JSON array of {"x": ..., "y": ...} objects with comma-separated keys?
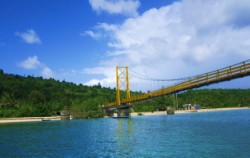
[{"x": 122, "y": 83}]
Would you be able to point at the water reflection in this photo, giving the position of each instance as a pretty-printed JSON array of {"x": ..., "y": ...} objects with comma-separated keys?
[{"x": 125, "y": 136}]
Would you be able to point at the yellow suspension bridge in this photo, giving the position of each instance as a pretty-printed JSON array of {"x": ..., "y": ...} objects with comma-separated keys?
[{"x": 225, "y": 74}]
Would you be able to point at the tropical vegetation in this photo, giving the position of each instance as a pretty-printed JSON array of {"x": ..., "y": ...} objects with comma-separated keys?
[{"x": 27, "y": 96}]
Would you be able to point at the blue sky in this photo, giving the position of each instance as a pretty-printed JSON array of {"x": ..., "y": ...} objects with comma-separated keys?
[{"x": 82, "y": 41}]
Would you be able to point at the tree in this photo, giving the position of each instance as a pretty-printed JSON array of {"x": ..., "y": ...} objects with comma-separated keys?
[
  {"x": 8, "y": 101},
  {"x": 36, "y": 97}
]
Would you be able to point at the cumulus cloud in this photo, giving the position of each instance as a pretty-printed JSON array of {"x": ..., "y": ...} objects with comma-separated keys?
[
  {"x": 30, "y": 63},
  {"x": 107, "y": 82},
  {"x": 124, "y": 7},
  {"x": 185, "y": 38},
  {"x": 33, "y": 63},
  {"x": 47, "y": 73},
  {"x": 30, "y": 36},
  {"x": 92, "y": 34},
  {"x": 108, "y": 72}
]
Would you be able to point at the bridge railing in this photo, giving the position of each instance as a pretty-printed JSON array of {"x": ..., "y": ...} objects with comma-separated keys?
[
  {"x": 234, "y": 71},
  {"x": 228, "y": 73}
]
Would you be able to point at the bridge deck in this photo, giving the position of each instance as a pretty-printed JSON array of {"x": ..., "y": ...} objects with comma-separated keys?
[{"x": 225, "y": 74}]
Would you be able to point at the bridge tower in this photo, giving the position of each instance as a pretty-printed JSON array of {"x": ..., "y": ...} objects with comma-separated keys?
[{"x": 122, "y": 83}]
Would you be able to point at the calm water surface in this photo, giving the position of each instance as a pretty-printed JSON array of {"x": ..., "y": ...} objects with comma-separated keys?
[{"x": 212, "y": 134}]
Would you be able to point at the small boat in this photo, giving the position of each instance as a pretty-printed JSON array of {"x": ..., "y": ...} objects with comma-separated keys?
[{"x": 46, "y": 119}]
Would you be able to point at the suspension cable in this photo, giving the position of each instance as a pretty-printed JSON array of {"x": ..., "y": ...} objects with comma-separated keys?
[{"x": 143, "y": 77}]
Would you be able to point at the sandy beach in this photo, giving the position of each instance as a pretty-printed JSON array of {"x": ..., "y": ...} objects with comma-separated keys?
[{"x": 27, "y": 119}]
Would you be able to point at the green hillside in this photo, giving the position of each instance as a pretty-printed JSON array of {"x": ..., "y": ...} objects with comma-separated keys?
[{"x": 34, "y": 96}]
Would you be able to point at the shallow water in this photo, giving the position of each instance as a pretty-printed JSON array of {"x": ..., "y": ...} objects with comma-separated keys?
[{"x": 211, "y": 134}]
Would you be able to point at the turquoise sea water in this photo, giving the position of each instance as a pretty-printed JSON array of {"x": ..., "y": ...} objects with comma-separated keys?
[{"x": 211, "y": 134}]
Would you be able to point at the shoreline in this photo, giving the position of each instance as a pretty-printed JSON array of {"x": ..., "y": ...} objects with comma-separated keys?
[
  {"x": 187, "y": 111},
  {"x": 54, "y": 118},
  {"x": 28, "y": 119}
]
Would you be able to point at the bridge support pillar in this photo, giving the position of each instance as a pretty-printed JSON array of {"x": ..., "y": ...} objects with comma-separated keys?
[
  {"x": 170, "y": 110},
  {"x": 123, "y": 113}
]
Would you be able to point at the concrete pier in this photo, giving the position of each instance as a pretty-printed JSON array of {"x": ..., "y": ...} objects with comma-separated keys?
[
  {"x": 123, "y": 111},
  {"x": 170, "y": 110},
  {"x": 65, "y": 115}
]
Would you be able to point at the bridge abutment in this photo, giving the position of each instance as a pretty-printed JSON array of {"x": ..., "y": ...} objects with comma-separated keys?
[
  {"x": 170, "y": 110},
  {"x": 123, "y": 111}
]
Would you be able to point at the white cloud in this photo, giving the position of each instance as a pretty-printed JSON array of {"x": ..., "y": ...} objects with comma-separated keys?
[
  {"x": 30, "y": 36},
  {"x": 47, "y": 73},
  {"x": 92, "y": 34},
  {"x": 125, "y": 7},
  {"x": 93, "y": 82},
  {"x": 183, "y": 39},
  {"x": 30, "y": 63},
  {"x": 99, "y": 31},
  {"x": 106, "y": 82},
  {"x": 33, "y": 63}
]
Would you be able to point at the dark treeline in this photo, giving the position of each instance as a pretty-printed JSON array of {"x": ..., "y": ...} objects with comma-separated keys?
[{"x": 34, "y": 96}]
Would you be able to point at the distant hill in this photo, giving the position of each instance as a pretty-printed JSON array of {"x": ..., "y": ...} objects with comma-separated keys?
[{"x": 34, "y": 96}]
